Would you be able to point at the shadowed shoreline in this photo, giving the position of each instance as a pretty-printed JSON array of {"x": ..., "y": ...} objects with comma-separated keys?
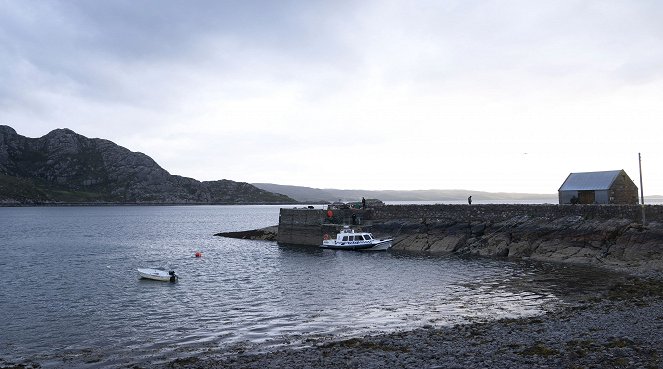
[{"x": 621, "y": 326}]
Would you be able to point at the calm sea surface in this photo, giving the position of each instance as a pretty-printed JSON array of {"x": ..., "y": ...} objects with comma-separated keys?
[{"x": 70, "y": 295}]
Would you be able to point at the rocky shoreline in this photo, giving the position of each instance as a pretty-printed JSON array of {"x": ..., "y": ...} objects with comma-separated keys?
[
  {"x": 618, "y": 327},
  {"x": 263, "y": 234},
  {"x": 615, "y": 244}
]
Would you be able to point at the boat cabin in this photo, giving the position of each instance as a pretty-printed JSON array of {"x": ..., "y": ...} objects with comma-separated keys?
[{"x": 349, "y": 234}]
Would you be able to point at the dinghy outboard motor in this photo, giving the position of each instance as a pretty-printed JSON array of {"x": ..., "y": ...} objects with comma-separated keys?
[{"x": 173, "y": 276}]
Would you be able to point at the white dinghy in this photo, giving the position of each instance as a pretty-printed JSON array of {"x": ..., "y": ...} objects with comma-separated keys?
[{"x": 158, "y": 274}]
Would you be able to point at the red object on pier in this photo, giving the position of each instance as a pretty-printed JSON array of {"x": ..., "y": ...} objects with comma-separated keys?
[{"x": 330, "y": 213}]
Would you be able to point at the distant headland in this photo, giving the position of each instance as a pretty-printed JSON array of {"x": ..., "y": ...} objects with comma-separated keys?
[{"x": 64, "y": 167}]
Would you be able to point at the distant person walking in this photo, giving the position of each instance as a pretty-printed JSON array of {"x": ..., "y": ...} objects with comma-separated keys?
[
  {"x": 469, "y": 200},
  {"x": 363, "y": 203}
]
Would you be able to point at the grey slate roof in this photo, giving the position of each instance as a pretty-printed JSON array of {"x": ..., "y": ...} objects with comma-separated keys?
[{"x": 589, "y": 181}]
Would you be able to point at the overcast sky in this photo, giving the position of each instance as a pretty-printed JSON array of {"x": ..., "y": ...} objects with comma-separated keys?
[{"x": 506, "y": 96}]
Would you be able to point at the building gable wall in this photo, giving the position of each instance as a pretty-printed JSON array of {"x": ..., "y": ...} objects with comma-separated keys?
[{"x": 623, "y": 190}]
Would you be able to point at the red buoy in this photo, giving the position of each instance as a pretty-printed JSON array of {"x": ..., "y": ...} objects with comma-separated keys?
[{"x": 198, "y": 254}]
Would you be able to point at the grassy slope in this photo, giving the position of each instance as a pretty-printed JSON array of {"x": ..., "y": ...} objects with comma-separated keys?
[{"x": 22, "y": 190}]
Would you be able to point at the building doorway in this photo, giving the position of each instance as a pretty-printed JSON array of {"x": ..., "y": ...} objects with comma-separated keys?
[{"x": 586, "y": 197}]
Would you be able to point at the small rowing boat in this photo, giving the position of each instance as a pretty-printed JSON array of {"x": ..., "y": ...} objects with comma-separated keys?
[{"x": 157, "y": 274}]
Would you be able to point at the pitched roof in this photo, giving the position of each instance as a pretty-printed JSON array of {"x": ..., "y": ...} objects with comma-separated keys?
[{"x": 590, "y": 180}]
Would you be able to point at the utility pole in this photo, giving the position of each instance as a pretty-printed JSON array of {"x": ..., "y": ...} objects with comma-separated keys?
[{"x": 642, "y": 191}]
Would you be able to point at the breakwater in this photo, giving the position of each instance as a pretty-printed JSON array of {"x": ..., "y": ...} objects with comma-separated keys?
[
  {"x": 605, "y": 235},
  {"x": 501, "y": 212}
]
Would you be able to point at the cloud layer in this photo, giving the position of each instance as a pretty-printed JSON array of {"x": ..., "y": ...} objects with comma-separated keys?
[{"x": 498, "y": 96}]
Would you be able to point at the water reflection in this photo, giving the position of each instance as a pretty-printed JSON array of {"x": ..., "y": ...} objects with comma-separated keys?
[{"x": 72, "y": 273}]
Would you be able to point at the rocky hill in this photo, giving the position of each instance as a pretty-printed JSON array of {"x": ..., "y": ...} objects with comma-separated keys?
[{"x": 65, "y": 167}]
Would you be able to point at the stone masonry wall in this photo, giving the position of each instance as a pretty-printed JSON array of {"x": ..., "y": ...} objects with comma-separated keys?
[
  {"x": 307, "y": 226},
  {"x": 501, "y": 212},
  {"x": 300, "y": 226},
  {"x": 304, "y": 226},
  {"x": 603, "y": 235}
]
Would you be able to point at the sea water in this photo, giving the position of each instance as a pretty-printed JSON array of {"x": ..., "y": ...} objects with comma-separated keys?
[{"x": 70, "y": 295}]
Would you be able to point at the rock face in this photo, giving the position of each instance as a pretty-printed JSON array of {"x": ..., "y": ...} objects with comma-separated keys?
[
  {"x": 64, "y": 166},
  {"x": 614, "y": 243},
  {"x": 263, "y": 234}
]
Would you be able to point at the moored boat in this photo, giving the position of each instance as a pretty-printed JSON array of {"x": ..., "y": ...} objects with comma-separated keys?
[
  {"x": 348, "y": 239},
  {"x": 158, "y": 274}
]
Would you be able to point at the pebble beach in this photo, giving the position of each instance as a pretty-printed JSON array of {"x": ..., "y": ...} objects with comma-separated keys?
[{"x": 621, "y": 327}]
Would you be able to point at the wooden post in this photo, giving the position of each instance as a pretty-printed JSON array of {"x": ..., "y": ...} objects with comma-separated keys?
[{"x": 642, "y": 192}]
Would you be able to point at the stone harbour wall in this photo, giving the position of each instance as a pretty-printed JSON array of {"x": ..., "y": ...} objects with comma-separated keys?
[
  {"x": 300, "y": 226},
  {"x": 604, "y": 235},
  {"x": 305, "y": 226},
  {"x": 501, "y": 212}
]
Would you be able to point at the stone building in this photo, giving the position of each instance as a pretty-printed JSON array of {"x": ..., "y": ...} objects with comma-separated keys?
[{"x": 609, "y": 187}]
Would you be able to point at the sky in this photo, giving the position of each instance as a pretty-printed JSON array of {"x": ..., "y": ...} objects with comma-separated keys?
[{"x": 499, "y": 96}]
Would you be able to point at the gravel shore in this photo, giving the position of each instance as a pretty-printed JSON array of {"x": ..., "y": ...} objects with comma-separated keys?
[{"x": 621, "y": 327}]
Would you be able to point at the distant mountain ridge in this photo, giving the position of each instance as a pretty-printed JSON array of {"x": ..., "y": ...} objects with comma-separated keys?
[
  {"x": 308, "y": 194},
  {"x": 65, "y": 167},
  {"x": 317, "y": 195}
]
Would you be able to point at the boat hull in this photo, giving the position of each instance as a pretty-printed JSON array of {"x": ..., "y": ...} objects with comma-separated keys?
[
  {"x": 375, "y": 245},
  {"x": 156, "y": 275}
]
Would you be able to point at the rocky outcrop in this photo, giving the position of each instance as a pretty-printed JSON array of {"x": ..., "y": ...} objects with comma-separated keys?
[
  {"x": 614, "y": 243},
  {"x": 263, "y": 234},
  {"x": 64, "y": 166}
]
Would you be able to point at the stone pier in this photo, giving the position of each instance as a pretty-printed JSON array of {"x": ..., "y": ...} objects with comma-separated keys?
[
  {"x": 605, "y": 235},
  {"x": 305, "y": 226}
]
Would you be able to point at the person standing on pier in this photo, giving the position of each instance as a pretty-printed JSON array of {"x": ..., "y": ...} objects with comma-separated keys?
[
  {"x": 469, "y": 200},
  {"x": 363, "y": 203}
]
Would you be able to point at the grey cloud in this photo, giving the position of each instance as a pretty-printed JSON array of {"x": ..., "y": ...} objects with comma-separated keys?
[
  {"x": 459, "y": 39},
  {"x": 147, "y": 52},
  {"x": 96, "y": 48},
  {"x": 157, "y": 29}
]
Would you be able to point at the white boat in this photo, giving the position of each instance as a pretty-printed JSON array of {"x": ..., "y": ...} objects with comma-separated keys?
[
  {"x": 348, "y": 239},
  {"x": 157, "y": 274}
]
